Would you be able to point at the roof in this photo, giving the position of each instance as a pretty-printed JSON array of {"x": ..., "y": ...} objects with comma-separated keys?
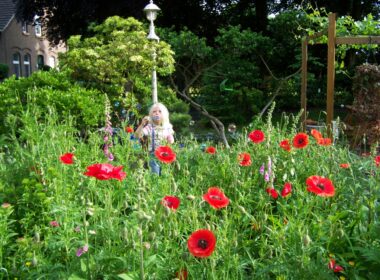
[{"x": 7, "y": 11}]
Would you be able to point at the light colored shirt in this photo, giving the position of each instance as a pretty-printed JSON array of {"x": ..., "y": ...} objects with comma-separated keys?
[{"x": 158, "y": 135}]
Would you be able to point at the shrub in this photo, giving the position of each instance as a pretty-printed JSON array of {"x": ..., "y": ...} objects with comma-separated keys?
[{"x": 52, "y": 88}]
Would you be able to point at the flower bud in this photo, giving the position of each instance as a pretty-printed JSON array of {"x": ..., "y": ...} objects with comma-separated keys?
[
  {"x": 125, "y": 234},
  {"x": 146, "y": 245},
  {"x": 34, "y": 261},
  {"x": 152, "y": 235},
  {"x": 36, "y": 237},
  {"x": 190, "y": 197},
  {"x": 306, "y": 240},
  {"x": 139, "y": 232}
]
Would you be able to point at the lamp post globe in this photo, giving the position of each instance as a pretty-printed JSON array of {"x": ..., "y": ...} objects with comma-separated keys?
[{"x": 151, "y": 11}]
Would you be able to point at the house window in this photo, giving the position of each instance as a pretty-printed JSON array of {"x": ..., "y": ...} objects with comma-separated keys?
[
  {"x": 37, "y": 26},
  {"x": 40, "y": 62},
  {"x": 38, "y": 30},
  {"x": 16, "y": 64},
  {"x": 52, "y": 61},
  {"x": 25, "y": 27},
  {"x": 27, "y": 65}
]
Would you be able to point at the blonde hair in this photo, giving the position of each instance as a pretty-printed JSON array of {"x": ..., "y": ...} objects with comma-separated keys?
[{"x": 165, "y": 122}]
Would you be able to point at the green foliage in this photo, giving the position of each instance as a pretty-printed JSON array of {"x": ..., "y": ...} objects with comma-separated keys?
[
  {"x": 127, "y": 229},
  {"x": 47, "y": 89},
  {"x": 4, "y": 69},
  {"x": 117, "y": 58}
]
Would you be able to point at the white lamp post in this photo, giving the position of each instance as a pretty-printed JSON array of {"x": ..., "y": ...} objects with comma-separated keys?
[{"x": 151, "y": 11}]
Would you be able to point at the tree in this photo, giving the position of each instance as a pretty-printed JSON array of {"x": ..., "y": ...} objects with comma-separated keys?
[{"x": 117, "y": 58}]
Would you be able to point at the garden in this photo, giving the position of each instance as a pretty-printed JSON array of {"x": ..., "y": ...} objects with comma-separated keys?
[{"x": 276, "y": 202}]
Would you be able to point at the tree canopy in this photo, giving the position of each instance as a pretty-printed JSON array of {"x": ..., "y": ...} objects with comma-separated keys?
[{"x": 203, "y": 17}]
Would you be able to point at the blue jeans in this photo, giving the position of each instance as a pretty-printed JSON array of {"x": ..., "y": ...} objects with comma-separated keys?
[{"x": 155, "y": 167}]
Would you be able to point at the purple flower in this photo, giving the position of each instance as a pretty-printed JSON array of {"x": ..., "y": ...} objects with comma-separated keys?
[
  {"x": 262, "y": 168},
  {"x": 82, "y": 250},
  {"x": 266, "y": 177}
]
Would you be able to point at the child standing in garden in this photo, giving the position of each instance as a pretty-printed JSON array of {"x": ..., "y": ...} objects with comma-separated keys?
[{"x": 155, "y": 130}]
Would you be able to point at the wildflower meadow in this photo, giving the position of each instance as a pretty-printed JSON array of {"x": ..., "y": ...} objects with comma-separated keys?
[{"x": 279, "y": 204}]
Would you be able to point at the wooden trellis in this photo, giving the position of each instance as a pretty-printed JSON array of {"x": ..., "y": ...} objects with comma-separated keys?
[{"x": 332, "y": 41}]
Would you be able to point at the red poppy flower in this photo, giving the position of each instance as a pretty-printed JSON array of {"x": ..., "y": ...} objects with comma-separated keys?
[
  {"x": 105, "y": 171},
  {"x": 244, "y": 159},
  {"x": 165, "y": 154},
  {"x": 272, "y": 191},
  {"x": 377, "y": 160},
  {"x": 333, "y": 266},
  {"x": 201, "y": 243},
  {"x": 324, "y": 141},
  {"x": 182, "y": 274},
  {"x": 216, "y": 198},
  {"x": 300, "y": 140},
  {"x": 344, "y": 165},
  {"x": 320, "y": 186},
  {"x": 285, "y": 145},
  {"x": 286, "y": 190},
  {"x": 67, "y": 158},
  {"x": 316, "y": 134},
  {"x": 210, "y": 150},
  {"x": 128, "y": 129},
  {"x": 171, "y": 202},
  {"x": 257, "y": 136}
]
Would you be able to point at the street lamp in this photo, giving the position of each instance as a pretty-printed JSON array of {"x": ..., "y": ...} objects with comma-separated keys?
[{"x": 151, "y": 11}]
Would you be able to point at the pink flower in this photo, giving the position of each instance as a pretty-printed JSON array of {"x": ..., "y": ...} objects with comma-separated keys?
[
  {"x": 54, "y": 224},
  {"x": 82, "y": 250},
  {"x": 5, "y": 205}
]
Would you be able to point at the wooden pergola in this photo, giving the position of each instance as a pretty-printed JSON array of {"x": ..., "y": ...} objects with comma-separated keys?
[{"x": 333, "y": 40}]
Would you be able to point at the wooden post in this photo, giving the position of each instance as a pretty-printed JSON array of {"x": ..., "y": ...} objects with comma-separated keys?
[
  {"x": 330, "y": 72},
  {"x": 304, "y": 83}
]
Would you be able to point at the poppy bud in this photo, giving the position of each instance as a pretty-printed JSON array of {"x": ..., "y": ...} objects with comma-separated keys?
[
  {"x": 167, "y": 211},
  {"x": 175, "y": 187},
  {"x": 139, "y": 232},
  {"x": 340, "y": 233},
  {"x": 186, "y": 173},
  {"x": 306, "y": 240},
  {"x": 90, "y": 211},
  {"x": 208, "y": 226},
  {"x": 152, "y": 235},
  {"x": 147, "y": 217},
  {"x": 34, "y": 261},
  {"x": 125, "y": 234},
  {"x": 190, "y": 197},
  {"x": 146, "y": 245},
  {"x": 242, "y": 209},
  {"x": 36, "y": 237},
  {"x": 177, "y": 165}
]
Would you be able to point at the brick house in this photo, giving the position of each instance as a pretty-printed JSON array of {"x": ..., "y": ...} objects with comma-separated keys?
[{"x": 22, "y": 46}]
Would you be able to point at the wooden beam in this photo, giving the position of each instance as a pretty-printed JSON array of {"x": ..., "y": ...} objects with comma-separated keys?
[
  {"x": 304, "y": 83},
  {"x": 358, "y": 40},
  {"x": 330, "y": 72}
]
